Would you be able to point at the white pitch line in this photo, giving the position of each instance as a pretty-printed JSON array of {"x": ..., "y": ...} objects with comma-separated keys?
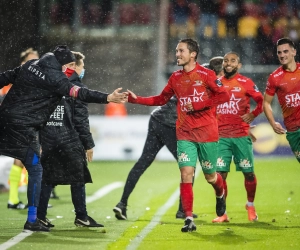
[
  {"x": 15, "y": 240},
  {"x": 104, "y": 191},
  {"x": 97, "y": 195},
  {"x": 134, "y": 244}
]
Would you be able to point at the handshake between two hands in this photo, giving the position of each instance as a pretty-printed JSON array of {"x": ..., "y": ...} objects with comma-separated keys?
[{"x": 120, "y": 97}]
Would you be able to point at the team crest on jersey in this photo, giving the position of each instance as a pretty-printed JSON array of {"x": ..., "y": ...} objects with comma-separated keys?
[
  {"x": 256, "y": 88},
  {"x": 218, "y": 82},
  {"x": 197, "y": 83},
  {"x": 236, "y": 89}
]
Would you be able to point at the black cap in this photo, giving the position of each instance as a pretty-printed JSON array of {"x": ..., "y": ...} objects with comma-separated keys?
[{"x": 63, "y": 54}]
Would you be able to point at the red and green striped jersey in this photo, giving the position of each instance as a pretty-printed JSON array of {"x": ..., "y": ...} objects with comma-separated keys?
[
  {"x": 240, "y": 89},
  {"x": 287, "y": 87}
]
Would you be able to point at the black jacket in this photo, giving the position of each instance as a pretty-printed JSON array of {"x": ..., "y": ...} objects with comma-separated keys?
[
  {"x": 166, "y": 114},
  {"x": 38, "y": 86},
  {"x": 64, "y": 140}
]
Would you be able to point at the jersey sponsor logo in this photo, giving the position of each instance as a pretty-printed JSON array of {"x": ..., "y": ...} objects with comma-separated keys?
[
  {"x": 219, "y": 83},
  {"x": 294, "y": 78},
  {"x": 36, "y": 72},
  {"x": 58, "y": 114},
  {"x": 195, "y": 97},
  {"x": 256, "y": 88},
  {"x": 220, "y": 162},
  {"x": 206, "y": 164},
  {"x": 231, "y": 107},
  {"x": 236, "y": 89},
  {"x": 292, "y": 100},
  {"x": 54, "y": 124},
  {"x": 183, "y": 158},
  {"x": 244, "y": 164}
]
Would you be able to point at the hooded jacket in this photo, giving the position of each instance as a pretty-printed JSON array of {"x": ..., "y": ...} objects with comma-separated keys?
[
  {"x": 64, "y": 140},
  {"x": 38, "y": 86}
]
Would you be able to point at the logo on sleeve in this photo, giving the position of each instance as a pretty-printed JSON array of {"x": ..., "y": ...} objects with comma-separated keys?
[
  {"x": 218, "y": 82},
  {"x": 256, "y": 88}
]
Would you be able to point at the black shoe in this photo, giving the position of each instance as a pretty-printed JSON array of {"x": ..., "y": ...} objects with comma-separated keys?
[
  {"x": 36, "y": 226},
  {"x": 221, "y": 206},
  {"x": 120, "y": 211},
  {"x": 88, "y": 222},
  {"x": 181, "y": 215},
  {"x": 46, "y": 222},
  {"x": 189, "y": 226},
  {"x": 19, "y": 205}
]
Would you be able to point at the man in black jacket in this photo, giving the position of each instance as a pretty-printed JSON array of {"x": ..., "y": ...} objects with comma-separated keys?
[
  {"x": 38, "y": 86},
  {"x": 67, "y": 144}
]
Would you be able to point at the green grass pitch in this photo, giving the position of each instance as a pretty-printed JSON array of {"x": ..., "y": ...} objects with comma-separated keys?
[{"x": 277, "y": 203}]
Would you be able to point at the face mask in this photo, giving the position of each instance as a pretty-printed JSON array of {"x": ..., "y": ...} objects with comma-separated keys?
[
  {"x": 69, "y": 72},
  {"x": 81, "y": 74}
]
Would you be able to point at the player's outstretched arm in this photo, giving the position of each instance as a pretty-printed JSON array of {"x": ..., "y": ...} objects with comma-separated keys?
[
  {"x": 118, "y": 97},
  {"x": 131, "y": 94}
]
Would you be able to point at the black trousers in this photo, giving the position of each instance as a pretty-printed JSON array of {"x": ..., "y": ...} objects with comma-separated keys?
[
  {"x": 78, "y": 199},
  {"x": 159, "y": 135}
]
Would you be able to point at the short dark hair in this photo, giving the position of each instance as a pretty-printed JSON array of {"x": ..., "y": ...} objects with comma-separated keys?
[
  {"x": 78, "y": 57},
  {"x": 286, "y": 40},
  {"x": 216, "y": 64},
  {"x": 235, "y": 53},
  {"x": 192, "y": 45}
]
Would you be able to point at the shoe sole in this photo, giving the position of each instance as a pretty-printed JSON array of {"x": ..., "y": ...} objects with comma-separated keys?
[
  {"x": 80, "y": 225},
  {"x": 186, "y": 230},
  {"x": 226, "y": 221},
  {"x": 195, "y": 216},
  {"x": 118, "y": 214},
  {"x": 255, "y": 219}
]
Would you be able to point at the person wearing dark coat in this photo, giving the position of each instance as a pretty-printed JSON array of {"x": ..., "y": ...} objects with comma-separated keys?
[
  {"x": 37, "y": 88},
  {"x": 66, "y": 143}
]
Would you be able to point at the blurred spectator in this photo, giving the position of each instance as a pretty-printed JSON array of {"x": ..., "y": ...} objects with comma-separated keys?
[
  {"x": 280, "y": 26},
  {"x": 209, "y": 17},
  {"x": 293, "y": 29},
  {"x": 231, "y": 10},
  {"x": 181, "y": 26},
  {"x": 65, "y": 12},
  {"x": 181, "y": 11},
  {"x": 264, "y": 41},
  {"x": 293, "y": 7},
  {"x": 106, "y": 9}
]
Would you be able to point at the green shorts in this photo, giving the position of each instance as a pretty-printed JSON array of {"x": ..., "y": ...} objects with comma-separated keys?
[
  {"x": 294, "y": 141},
  {"x": 188, "y": 153},
  {"x": 240, "y": 150}
]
